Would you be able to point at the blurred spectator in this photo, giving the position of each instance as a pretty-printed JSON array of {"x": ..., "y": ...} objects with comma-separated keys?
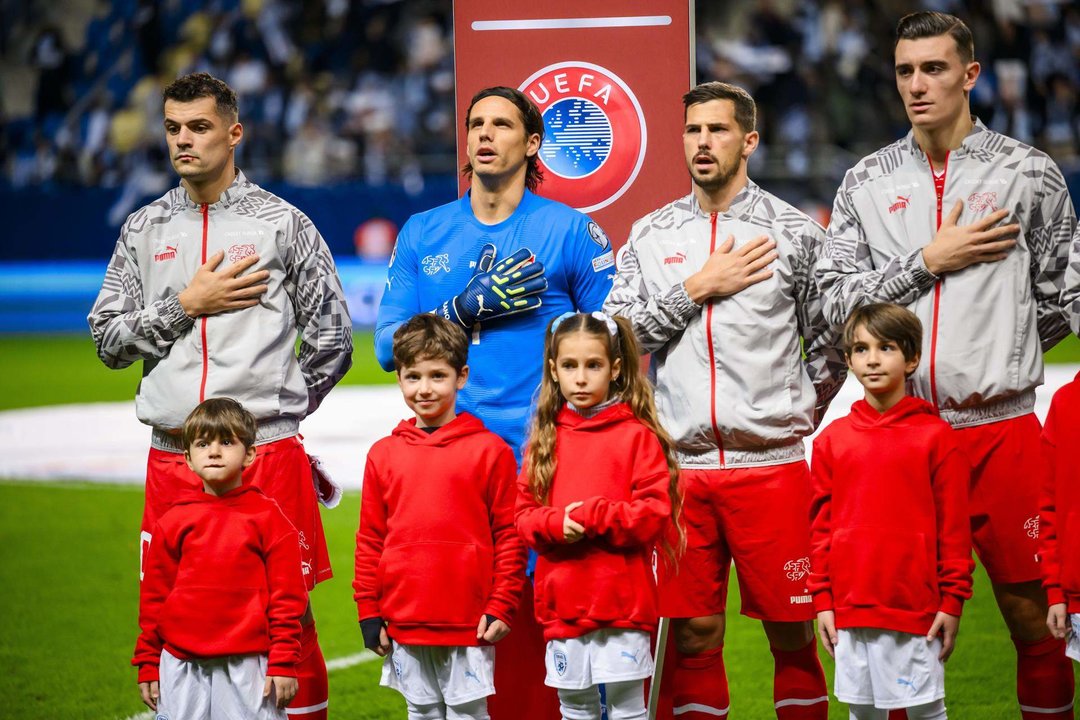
[
  {"x": 334, "y": 90},
  {"x": 54, "y": 66},
  {"x": 314, "y": 156}
]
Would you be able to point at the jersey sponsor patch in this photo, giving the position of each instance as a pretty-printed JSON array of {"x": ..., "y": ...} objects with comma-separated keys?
[
  {"x": 900, "y": 204},
  {"x": 598, "y": 236},
  {"x": 166, "y": 253},
  {"x": 600, "y": 262}
]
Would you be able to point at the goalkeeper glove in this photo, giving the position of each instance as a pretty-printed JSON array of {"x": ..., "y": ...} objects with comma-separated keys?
[{"x": 508, "y": 287}]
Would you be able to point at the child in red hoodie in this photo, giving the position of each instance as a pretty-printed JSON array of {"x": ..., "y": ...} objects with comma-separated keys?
[
  {"x": 890, "y": 535},
  {"x": 439, "y": 566},
  {"x": 597, "y": 492},
  {"x": 223, "y": 592},
  {"x": 1059, "y": 517}
]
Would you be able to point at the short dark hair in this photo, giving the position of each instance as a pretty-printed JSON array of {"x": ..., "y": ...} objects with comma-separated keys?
[
  {"x": 219, "y": 419},
  {"x": 200, "y": 85},
  {"x": 745, "y": 107},
  {"x": 530, "y": 118},
  {"x": 886, "y": 321},
  {"x": 928, "y": 24},
  {"x": 430, "y": 337}
]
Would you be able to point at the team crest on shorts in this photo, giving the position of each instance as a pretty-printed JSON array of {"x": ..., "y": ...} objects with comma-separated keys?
[
  {"x": 594, "y": 133},
  {"x": 560, "y": 662},
  {"x": 797, "y": 569},
  {"x": 1031, "y": 525}
]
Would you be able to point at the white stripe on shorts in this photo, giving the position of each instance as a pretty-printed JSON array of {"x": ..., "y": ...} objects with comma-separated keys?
[{"x": 698, "y": 707}]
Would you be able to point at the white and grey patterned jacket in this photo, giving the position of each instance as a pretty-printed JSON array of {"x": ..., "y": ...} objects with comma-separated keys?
[
  {"x": 984, "y": 327},
  {"x": 732, "y": 385},
  {"x": 245, "y": 354}
]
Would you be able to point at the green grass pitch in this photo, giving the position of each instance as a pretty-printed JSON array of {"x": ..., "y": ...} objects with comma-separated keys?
[{"x": 69, "y": 569}]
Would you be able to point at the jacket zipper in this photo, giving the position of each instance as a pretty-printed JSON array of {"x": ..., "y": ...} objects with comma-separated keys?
[
  {"x": 202, "y": 320},
  {"x": 939, "y": 190},
  {"x": 712, "y": 353}
]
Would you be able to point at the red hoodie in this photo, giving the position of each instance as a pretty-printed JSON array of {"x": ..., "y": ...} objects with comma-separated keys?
[
  {"x": 890, "y": 534},
  {"x": 222, "y": 577},
  {"x": 616, "y": 466},
  {"x": 1059, "y": 514},
  {"x": 436, "y": 549}
]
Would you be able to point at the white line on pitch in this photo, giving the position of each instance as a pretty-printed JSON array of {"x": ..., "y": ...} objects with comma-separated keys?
[{"x": 564, "y": 23}]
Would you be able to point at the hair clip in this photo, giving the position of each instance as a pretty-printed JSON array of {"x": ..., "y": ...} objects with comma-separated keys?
[
  {"x": 558, "y": 321},
  {"x": 606, "y": 319}
]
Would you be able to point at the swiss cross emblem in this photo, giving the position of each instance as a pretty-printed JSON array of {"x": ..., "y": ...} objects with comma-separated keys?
[
  {"x": 981, "y": 201},
  {"x": 797, "y": 569},
  {"x": 239, "y": 252}
]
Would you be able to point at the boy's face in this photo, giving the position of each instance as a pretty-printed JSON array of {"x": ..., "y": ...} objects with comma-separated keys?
[
  {"x": 880, "y": 366},
  {"x": 430, "y": 388},
  {"x": 219, "y": 463}
]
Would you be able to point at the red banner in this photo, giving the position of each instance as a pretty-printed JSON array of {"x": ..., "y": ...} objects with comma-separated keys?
[{"x": 608, "y": 77}]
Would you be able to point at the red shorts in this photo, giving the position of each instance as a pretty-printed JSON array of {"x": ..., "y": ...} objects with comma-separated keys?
[
  {"x": 758, "y": 516},
  {"x": 1004, "y": 498},
  {"x": 281, "y": 470}
]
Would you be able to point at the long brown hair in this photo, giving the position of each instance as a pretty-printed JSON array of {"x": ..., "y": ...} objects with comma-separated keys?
[{"x": 631, "y": 386}]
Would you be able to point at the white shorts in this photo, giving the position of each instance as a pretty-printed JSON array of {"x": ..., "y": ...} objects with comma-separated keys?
[
  {"x": 887, "y": 669},
  {"x": 1072, "y": 643},
  {"x": 450, "y": 674},
  {"x": 225, "y": 688},
  {"x": 602, "y": 656}
]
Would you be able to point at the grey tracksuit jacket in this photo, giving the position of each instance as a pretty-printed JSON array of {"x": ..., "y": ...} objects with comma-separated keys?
[
  {"x": 732, "y": 386},
  {"x": 985, "y": 327},
  {"x": 246, "y": 354}
]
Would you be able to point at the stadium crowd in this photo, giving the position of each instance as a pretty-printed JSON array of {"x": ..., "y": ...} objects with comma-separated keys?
[{"x": 336, "y": 91}]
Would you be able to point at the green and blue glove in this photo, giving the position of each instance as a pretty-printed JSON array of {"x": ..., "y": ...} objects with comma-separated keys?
[{"x": 510, "y": 286}]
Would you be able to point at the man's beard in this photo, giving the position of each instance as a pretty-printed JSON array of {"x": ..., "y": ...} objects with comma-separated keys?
[{"x": 724, "y": 175}]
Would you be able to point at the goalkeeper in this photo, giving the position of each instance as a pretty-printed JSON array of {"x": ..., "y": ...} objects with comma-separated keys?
[{"x": 501, "y": 262}]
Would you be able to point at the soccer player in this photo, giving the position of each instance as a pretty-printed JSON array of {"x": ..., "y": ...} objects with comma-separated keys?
[
  {"x": 209, "y": 286},
  {"x": 501, "y": 262},
  {"x": 436, "y": 589},
  {"x": 970, "y": 230},
  {"x": 221, "y": 601},
  {"x": 719, "y": 287},
  {"x": 889, "y": 483}
]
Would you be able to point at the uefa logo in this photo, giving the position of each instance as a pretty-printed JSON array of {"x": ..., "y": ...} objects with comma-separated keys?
[{"x": 594, "y": 133}]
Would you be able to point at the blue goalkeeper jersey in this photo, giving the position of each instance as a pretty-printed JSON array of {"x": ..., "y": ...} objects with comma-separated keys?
[{"x": 433, "y": 260}]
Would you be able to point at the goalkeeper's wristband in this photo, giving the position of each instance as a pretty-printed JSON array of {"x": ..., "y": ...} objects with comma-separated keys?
[{"x": 448, "y": 310}]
